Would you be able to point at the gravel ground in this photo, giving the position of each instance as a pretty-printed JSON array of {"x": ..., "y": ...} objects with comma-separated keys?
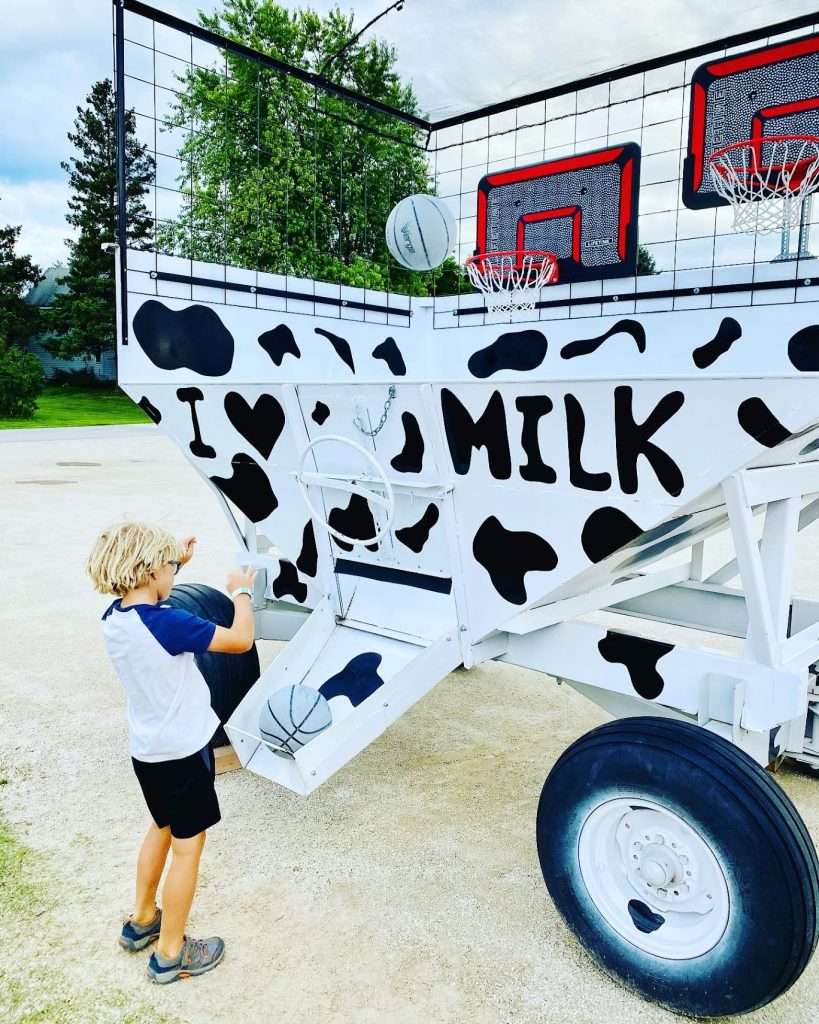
[{"x": 406, "y": 889}]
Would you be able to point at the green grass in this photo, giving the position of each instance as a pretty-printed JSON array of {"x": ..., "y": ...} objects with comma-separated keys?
[{"x": 69, "y": 406}]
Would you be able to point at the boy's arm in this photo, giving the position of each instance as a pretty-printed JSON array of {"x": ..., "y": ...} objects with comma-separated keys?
[{"x": 237, "y": 638}]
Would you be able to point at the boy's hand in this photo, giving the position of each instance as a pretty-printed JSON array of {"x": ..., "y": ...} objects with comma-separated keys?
[
  {"x": 187, "y": 554},
  {"x": 240, "y": 578}
]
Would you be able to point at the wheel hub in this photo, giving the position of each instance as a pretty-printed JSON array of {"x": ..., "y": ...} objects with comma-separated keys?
[{"x": 636, "y": 853}]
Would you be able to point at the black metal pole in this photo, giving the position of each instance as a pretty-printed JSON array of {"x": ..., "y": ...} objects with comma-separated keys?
[{"x": 122, "y": 193}]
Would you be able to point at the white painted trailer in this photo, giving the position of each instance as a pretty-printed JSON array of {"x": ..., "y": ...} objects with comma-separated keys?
[{"x": 424, "y": 485}]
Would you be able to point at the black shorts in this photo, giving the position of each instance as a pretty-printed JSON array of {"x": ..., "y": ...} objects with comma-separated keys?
[{"x": 181, "y": 793}]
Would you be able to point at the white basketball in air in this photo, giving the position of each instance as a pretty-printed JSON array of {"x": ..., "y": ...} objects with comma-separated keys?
[{"x": 421, "y": 232}]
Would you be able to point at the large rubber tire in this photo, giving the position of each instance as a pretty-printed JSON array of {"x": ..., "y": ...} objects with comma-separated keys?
[
  {"x": 229, "y": 676},
  {"x": 755, "y": 833}
]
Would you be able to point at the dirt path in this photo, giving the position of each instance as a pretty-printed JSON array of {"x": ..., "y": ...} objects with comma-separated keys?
[{"x": 405, "y": 890}]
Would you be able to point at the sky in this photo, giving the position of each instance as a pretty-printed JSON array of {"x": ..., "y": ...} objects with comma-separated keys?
[{"x": 459, "y": 54}]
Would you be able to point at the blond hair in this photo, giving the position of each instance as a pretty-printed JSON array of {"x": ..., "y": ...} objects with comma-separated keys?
[{"x": 125, "y": 555}]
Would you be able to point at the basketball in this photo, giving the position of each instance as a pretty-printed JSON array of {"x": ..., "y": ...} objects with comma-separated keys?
[
  {"x": 421, "y": 232},
  {"x": 291, "y": 717}
]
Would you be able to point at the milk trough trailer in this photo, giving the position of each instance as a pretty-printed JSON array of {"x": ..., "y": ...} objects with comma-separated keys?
[{"x": 427, "y": 482}]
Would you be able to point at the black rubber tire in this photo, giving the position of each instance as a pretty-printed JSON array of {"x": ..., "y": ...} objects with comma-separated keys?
[
  {"x": 753, "y": 829},
  {"x": 229, "y": 676}
]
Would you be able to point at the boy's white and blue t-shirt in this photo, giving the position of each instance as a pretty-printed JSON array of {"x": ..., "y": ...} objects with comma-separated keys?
[{"x": 152, "y": 647}]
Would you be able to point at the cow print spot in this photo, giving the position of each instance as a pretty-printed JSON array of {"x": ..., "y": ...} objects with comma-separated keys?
[
  {"x": 279, "y": 343},
  {"x": 605, "y": 531},
  {"x": 803, "y": 349},
  {"x": 261, "y": 425},
  {"x": 774, "y": 744},
  {"x": 756, "y": 419},
  {"x": 586, "y": 346},
  {"x": 320, "y": 413},
  {"x": 340, "y": 345},
  {"x": 416, "y": 536},
  {"x": 150, "y": 409},
  {"x": 640, "y": 656},
  {"x": 307, "y": 562},
  {"x": 507, "y": 555},
  {"x": 729, "y": 331},
  {"x": 391, "y": 354},
  {"x": 192, "y": 339},
  {"x": 248, "y": 488},
  {"x": 643, "y": 917},
  {"x": 197, "y": 445},
  {"x": 358, "y": 680},
  {"x": 411, "y": 457},
  {"x": 355, "y": 521},
  {"x": 288, "y": 582},
  {"x": 517, "y": 350}
]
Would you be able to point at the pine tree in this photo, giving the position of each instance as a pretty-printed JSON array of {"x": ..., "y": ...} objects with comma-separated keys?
[
  {"x": 18, "y": 320},
  {"x": 84, "y": 318}
]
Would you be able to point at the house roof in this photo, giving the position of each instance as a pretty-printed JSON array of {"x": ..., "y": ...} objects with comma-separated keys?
[{"x": 42, "y": 294}]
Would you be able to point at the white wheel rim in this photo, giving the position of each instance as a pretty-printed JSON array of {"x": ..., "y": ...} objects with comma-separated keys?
[
  {"x": 635, "y": 852},
  {"x": 318, "y": 480}
]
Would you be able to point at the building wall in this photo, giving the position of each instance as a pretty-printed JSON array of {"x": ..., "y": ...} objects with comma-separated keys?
[{"x": 104, "y": 368}]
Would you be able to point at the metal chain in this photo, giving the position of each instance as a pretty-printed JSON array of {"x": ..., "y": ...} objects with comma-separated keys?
[{"x": 384, "y": 415}]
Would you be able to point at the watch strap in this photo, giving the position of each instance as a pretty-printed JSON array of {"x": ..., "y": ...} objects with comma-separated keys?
[{"x": 241, "y": 590}]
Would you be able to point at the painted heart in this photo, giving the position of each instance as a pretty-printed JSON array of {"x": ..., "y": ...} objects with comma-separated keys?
[{"x": 260, "y": 424}]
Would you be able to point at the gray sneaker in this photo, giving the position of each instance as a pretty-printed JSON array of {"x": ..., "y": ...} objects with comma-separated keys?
[
  {"x": 134, "y": 937},
  {"x": 195, "y": 957}
]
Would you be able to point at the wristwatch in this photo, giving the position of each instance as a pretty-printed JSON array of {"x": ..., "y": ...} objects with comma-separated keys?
[{"x": 241, "y": 590}]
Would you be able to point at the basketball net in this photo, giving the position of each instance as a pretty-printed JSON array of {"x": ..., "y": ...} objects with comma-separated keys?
[
  {"x": 766, "y": 180},
  {"x": 510, "y": 279}
]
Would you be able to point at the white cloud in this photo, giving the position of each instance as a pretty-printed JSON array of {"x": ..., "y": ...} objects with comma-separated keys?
[{"x": 40, "y": 207}]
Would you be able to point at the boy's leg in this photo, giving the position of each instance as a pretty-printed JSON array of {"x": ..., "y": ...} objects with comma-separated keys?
[
  {"x": 150, "y": 863},
  {"x": 177, "y": 893}
]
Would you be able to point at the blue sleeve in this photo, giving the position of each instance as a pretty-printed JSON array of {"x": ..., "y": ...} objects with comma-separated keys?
[{"x": 177, "y": 630}]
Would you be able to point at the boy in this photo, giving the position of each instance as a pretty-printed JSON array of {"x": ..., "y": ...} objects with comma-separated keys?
[{"x": 170, "y": 725}]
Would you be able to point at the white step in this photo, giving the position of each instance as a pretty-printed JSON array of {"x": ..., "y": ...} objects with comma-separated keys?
[{"x": 403, "y": 673}]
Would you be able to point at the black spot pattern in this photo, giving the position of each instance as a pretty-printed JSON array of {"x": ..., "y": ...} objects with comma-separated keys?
[
  {"x": 633, "y": 441},
  {"x": 774, "y": 745},
  {"x": 488, "y": 431},
  {"x": 358, "y": 680},
  {"x": 643, "y": 917},
  {"x": 279, "y": 343},
  {"x": 507, "y": 555},
  {"x": 605, "y": 531},
  {"x": 729, "y": 331},
  {"x": 355, "y": 521},
  {"x": 149, "y": 409},
  {"x": 533, "y": 407},
  {"x": 288, "y": 582},
  {"x": 192, "y": 339},
  {"x": 586, "y": 346},
  {"x": 307, "y": 562},
  {"x": 197, "y": 445},
  {"x": 517, "y": 350},
  {"x": 411, "y": 457},
  {"x": 415, "y": 537},
  {"x": 248, "y": 488},
  {"x": 261, "y": 425},
  {"x": 575, "y": 431},
  {"x": 320, "y": 413},
  {"x": 391, "y": 354},
  {"x": 756, "y": 419},
  {"x": 640, "y": 656},
  {"x": 803, "y": 349},
  {"x": 340, "y": 345}
]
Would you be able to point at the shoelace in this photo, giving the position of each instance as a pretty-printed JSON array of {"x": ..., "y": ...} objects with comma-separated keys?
[{"x": 196, "y": 950}]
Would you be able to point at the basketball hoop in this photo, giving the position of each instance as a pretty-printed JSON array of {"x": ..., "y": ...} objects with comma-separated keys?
[
  {"x": 766, "y": 179},
  {"x": 510, "y": 279}
]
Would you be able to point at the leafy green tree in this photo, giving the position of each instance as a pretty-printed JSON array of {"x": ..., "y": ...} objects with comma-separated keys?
[
  {"x": 281, "y": 176},
  {"x": 18, "y": 320},
  {"x": 646, "y": 264},
  {"x": 21, "y": 381},
  {"x": 84, "y": 318}
]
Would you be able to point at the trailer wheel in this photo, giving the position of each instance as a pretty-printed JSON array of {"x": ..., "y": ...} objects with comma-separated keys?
[
  {"x": 680, "y": 865},
  {"x": 229, "y": 676}
]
